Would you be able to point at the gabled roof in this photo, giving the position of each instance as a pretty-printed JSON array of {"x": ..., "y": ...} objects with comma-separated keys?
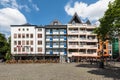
[
  {"x": 88, "y": 22},
  {"x": 56, "y": 22},
  {"x": 75, "y": 19},
  {"x": 26, "y": 24}
]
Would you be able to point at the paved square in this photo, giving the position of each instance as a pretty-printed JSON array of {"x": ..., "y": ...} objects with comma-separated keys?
[{"x": 72, "y": 71}]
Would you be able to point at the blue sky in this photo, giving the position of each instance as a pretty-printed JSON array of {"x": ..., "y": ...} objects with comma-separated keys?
[
  {"x": 42, "y": 12},
  {"x": 49, "y": 10}
]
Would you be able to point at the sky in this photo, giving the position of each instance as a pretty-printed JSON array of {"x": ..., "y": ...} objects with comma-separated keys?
[{"x": 43, "y": 12}]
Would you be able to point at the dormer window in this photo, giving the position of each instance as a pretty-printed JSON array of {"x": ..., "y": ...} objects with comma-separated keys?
[
  {"x": 73, "y": 22},
  {"x": 55, "y": 23}
]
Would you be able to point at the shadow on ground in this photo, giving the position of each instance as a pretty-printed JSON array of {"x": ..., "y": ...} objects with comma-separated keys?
[
  {"x": 87, "y": 65},
  {"x": 108, "y": 72},
  {"x": 113, "y": 72}
]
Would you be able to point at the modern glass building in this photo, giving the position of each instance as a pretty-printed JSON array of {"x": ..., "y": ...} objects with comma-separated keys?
[{"x": 115, "y": 48}]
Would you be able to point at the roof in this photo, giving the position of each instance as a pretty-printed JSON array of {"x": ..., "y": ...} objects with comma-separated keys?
[
  {"x": 26, "y": 24},
  {"x": 56, "y": 22},
  {"x": 75, "y": 19},
  {"x": 88, "y": 22},
  {"x": 56, "y": 26}
]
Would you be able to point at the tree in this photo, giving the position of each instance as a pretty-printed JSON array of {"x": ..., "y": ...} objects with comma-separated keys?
[
  {"x": 8, "y": 55},
  {"x": 3, "y": 45},
  {"x": 109, "y": 24}
]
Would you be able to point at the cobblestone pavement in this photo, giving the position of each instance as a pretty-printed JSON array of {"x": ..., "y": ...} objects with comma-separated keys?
[{"x": 65, "y": 71}]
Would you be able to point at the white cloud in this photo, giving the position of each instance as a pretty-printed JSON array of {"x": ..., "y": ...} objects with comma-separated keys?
[
  {"x": 35, "y": 7},
  {"x": 9, "y": 16},
  {"x": 14, "y": 4},
  {"x": 93, "y": 11}
]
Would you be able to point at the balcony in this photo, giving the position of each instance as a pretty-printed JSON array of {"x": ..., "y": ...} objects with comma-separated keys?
[
  {"x": 83, "y": 32},
  {"x": 73, "y": 32},
  {"x": 63, "y": 32},
  {"x": 73, "y": 47},
  {"x": 48, "y": 46},
  {"x": 55, "y": 46},
  {"x": 63, "y": 38},
  {"x": 55, "y": 52},
  {"x": 55, "y": 39},
  {"x": 48, "y": 33},
  {"x": 49, "y": 39},
  {"x": 82, "y": 46},
  {"x": 91, "y": 40},
  {"x": 91, "y": 47},
  {"x": 55, "y": 32},
  {"x": 63, "y": 46},
  {"x": 73, "y": 39}
]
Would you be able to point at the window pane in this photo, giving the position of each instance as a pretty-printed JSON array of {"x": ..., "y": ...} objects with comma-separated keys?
[{"x": 15, "y": 35}]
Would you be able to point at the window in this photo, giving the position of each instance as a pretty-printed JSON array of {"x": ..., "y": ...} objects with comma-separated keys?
[
  {"x": 27, "y": 29},
  {"x": 31, "y": 42},
  {"x": 39, "y": 49},
  {"x": 104, "y": 46},
  {"x": 19, "y": 42},
  {"x": 39, "y": 42},
  {"x": 23, "y": 35},
  {"x": 27, "y": 35},
  {"x": 15, "y": 35},
  {"x": 39, "y": 29},
  {"x": 31, "y": 49},
  {"x": 23, "y": 49},
  {"x": 23, "y": 29},
  {"x": 39, "y": 35},
  {"x": 19, "y": 35},
  {"x": 15, "y": 49},
  {"x": 27, "y": 42},
  {"x": 19, "y": 49},
  {"x": 55, "y": 23},
  {"x": 31, "y": 35},
  {"x": 19, "y": 29},
  {"x": 15, "y": 42},
  {"x": 23, "y": 42}
]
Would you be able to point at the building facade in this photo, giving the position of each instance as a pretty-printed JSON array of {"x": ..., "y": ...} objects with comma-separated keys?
[
  {"x": 74, "y": 41},
  {"x": 107, "y": 48},
  {"x": 27, "y": 40},
  {"x": 56, "y": 40},
  {"x": 82, "y": 42}
]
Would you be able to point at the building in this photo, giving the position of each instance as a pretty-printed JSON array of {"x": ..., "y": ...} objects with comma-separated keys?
[
  {"x": 115, "y": 48},
  {"x": 74, "y": 41},
  {"x": 107, "y": 48},
  {"x": 56, "y": 41},
  {"x": 81, "y": 41},
  {"x": 27, "y": 41}
]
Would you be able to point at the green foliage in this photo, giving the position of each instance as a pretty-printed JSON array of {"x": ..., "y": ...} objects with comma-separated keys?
[
  {"x": 3, "y": 45},
  {"x": 8, "y": 56},
  {"x": 110, "y": 22}
]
